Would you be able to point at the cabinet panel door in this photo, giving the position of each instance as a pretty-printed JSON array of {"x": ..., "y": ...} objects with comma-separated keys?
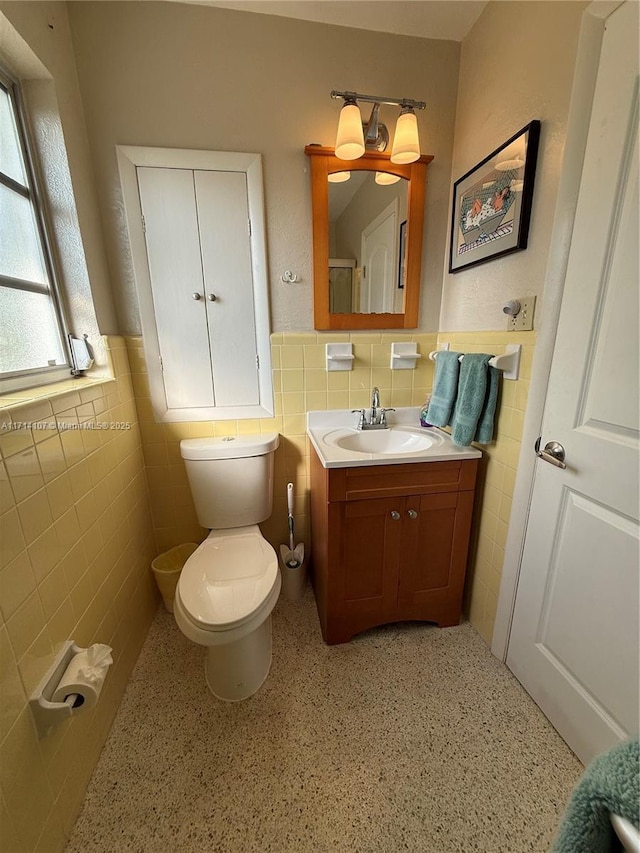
[
  {"x": 173, "y": 248},
  {"x": 369, "y": 558},
  {"x": 431, "y": 581},
  {"x": 223, "y": 217}
]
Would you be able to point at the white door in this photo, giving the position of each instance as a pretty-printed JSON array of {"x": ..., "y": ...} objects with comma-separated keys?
[
  {"x": 574, "y": 637},
  {"x": 379, "y": 256}
]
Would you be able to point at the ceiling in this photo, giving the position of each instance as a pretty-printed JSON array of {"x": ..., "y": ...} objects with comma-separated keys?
[{"x": 434, "y": 19}]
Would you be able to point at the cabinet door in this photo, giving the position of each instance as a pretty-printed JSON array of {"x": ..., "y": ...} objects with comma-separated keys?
[
  {"x": 366, "y": 578},
  {"x": 223, "y": 220},
  {"x": 435, "y": 536},
  {"x": 173, "y": 249}
]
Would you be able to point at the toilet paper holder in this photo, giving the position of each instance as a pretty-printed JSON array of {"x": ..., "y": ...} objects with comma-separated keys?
[{"x": 47, "y": 714}]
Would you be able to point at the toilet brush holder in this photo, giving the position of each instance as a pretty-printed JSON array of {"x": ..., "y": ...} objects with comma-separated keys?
[{"x": 294, "y": 578}]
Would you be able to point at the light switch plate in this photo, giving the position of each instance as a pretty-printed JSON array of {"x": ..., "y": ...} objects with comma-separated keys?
[{"x": 523, "y": 321}]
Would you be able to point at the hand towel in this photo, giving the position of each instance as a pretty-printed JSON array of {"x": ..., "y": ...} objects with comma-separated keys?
[
  {"x": 470, "y": 402},
  {"x": 484, "y": 432},
  {"x": 609, "y": 784},
  {"x": 445, "y": 388}
]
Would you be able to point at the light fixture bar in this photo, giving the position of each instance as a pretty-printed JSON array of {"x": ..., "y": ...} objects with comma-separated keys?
[{"x": 376, "y": 99}]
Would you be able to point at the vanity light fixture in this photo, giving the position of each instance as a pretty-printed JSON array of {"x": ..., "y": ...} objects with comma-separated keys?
[
  {"x": 354, "y": 137},
  {"x": 338, "y": 177}
]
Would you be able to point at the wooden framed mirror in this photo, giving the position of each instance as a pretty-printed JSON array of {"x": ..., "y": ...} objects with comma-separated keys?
[{"x": 367, "y": 240}]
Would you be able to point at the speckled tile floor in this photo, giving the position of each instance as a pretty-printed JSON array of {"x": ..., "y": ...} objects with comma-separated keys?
[{"x": 408, "y": 738}]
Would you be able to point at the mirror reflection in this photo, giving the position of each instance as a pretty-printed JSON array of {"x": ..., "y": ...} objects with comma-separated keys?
[{"x": 367, "y": 230}]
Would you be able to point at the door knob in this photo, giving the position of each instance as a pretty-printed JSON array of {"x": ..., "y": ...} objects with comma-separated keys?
[
  {"x": 412, "y": 513},
  {"x": 211, "y": 297},
  {"x": 196, "y": 296},
  {"x": 553, "y": 453},
  {"x": 395, "y": 515}
]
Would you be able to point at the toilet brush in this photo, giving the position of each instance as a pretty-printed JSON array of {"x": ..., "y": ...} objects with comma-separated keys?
[{"x": 292, "y": 556}]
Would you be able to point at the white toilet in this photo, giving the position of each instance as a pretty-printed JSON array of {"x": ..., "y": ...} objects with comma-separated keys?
[{"x": 230, "y": 584}]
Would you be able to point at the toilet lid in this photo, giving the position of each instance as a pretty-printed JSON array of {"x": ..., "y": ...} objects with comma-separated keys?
[{"x": 227, "y": 579}]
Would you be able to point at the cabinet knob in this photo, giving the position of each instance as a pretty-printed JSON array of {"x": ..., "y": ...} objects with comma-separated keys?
[
  {"x": 212, "y": 297},
  {"x": 395, "y": 515},
  {"x": 412, "y": 513},
  {"x": 196, "y": 296}
]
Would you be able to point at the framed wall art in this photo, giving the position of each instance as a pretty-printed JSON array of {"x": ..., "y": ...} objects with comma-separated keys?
[{"x": 492, "y": 202}]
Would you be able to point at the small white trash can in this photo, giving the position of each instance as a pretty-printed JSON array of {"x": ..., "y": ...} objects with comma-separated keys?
[{"x": 166, "y": 570}]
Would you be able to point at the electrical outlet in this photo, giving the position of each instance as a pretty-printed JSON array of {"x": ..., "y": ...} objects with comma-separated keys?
[{"x": 523, "y": 321}]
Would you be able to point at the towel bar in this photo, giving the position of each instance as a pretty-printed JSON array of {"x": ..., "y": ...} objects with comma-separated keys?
[{"x": 508, "y": 362}]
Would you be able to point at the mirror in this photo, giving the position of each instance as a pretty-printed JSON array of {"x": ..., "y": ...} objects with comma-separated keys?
[{"x": 367, "y": 240}]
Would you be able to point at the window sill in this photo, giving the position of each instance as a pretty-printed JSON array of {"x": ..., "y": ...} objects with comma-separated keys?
[{"x": 58, "y": 393}]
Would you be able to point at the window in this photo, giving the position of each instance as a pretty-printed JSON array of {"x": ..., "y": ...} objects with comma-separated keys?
[{"x": 33, "y": 346}]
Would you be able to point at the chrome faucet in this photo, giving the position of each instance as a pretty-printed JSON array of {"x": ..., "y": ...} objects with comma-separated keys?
[
  {"x": 378, "y": 415},
  {"x": 375, "y": 405}
]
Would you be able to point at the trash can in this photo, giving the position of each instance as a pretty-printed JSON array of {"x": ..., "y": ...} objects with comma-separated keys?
[{"x": 166, "y": 570}]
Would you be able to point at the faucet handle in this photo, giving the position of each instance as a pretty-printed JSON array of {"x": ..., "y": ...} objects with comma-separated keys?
[
  {"x": 361, "y": 420},
  {"x": 383, "y": 416}
]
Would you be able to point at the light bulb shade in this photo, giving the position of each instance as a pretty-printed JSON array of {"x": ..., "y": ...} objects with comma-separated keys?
[
  {"x": 338, "y": 177},
  {"x": 384, "y": 179},
  {"x": 406, "y": 145},
  {"x": 350, "y": 138}
]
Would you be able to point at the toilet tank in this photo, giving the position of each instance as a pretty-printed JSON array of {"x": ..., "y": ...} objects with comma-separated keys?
[{"x": 231, "y": 478}]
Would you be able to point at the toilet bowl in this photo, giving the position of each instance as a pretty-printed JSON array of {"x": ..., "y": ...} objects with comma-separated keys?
[
  {"x": 231, "y": 583},
  {"x": 225, "y": 595}
]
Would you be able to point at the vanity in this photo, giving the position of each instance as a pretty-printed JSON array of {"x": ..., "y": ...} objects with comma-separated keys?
[{"x": 391, "y": 518}]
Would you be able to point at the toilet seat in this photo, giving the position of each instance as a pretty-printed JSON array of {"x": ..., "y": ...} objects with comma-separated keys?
[{"x": 228, "y": 579}]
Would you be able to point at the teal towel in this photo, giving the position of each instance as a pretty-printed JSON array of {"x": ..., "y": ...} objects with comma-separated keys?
[
  {"x": 609, "y": 784},
  {"x": 484, "y": 433},
  {"x": 472, "y": 398},
  {"x": 445, "y": 388}
]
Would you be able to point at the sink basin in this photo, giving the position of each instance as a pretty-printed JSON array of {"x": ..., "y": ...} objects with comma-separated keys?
[
  {"x": 394, "y": 441},
  {"x": 338, "y": 444}
]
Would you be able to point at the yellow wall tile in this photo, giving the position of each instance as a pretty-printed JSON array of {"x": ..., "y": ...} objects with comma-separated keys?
[
  {"x": 24, "y": 473},
  {"x": 338, "y": 400},
  {"x": 11, "y": 690},
  {"x": 291, "y": 357},
  {"x": 293, "y": 380},
  {"x": 17, "y": 582},
  {"x": 25, "y": 625},
  {"x": 45, "y": 552},
  {"x": 314, "y": 356},
  {"x": 7, "y": 498}
]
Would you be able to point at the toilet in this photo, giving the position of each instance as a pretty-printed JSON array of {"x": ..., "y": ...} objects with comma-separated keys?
[{"x": 230, "y": 584}]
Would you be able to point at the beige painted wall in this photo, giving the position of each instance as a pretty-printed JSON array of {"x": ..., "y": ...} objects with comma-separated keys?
[
  {"x": 516, "y": 65},
  {"x": 187, "y": 76}
]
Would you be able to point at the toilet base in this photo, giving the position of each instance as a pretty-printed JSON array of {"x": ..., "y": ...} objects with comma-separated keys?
[{"x": 235, "y": 671}]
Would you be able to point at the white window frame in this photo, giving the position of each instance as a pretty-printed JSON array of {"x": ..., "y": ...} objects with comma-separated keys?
[
  {"x": 31, "y": 377},
  {"x": 130, "y": 157}
]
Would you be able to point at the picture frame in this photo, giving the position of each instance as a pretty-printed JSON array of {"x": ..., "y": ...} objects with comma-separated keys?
[
  {"x": 402, "y": 254},
  {"x": 491, "y": 207}
]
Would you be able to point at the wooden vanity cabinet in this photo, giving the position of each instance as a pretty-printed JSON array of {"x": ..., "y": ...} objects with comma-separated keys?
[{"x": 389, "y": 543}]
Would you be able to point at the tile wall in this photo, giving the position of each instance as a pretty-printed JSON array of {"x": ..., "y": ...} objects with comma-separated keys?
[
  {"x": 76, "y": 542},
  {"x": 301, "y": 384}
]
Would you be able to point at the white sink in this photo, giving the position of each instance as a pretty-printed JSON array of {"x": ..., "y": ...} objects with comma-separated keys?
[
  {"x": 339, "y": 444},
  {"x": 396, "y": 439}
]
